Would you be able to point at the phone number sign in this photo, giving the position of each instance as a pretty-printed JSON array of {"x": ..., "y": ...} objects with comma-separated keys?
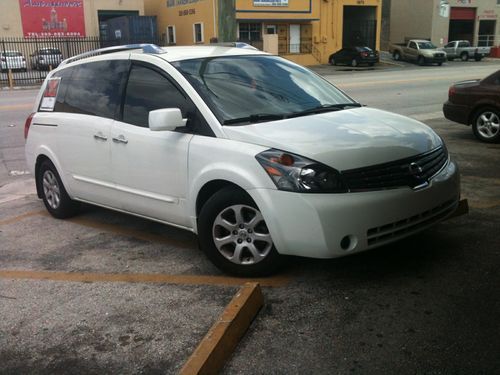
[
  {"x": 270, "y": 3},
  {"x": 45, "y": 18}
]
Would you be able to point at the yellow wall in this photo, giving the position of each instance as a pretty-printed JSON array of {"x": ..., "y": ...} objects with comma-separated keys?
[
  {"x": 202, "y": 11},
  {"x": 325, "y": 17},
  {"x": 278, "y": 12},
  {"x": 10, "y": 14}
]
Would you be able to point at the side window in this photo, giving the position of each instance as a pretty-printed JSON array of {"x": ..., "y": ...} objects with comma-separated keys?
[
  {"x": 95, "y": 88},
  {"x": 413, "y": 45},
  {"x": 463, "y": 44},
  {"x": 65, "y": 76},
  {"x": 146, "y": 91},
  {"x": 450, "y": 45}
]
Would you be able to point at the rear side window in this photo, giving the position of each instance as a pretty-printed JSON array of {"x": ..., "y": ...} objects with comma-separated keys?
[
  {"x": 148, "y": 90},
  {"x": 93, "y": 88}
]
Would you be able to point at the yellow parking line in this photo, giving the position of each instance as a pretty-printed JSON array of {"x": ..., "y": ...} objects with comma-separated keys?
[
  {"x": 14, "y": 107},
  {"x": 274, "y": 281},
  {"x": 21, "y": 217}
]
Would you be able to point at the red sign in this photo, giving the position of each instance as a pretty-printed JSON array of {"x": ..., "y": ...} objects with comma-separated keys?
[{"x": 52, "y": 18}]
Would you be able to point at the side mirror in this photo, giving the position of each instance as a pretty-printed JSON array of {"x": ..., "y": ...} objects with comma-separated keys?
[{"x": 165, "y": 119}]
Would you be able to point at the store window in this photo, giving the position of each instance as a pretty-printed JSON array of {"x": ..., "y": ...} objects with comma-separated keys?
[{"x": 250, "y": 32}]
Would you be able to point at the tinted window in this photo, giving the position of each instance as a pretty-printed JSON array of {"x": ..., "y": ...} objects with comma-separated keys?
[
  {"x": 65, "y": 76},
  {"x": 463, "y": 44},
  {"x": 413, "y": 45},
  {"x": 148, "y": 90},
  {"x": 95, "y": 88}
]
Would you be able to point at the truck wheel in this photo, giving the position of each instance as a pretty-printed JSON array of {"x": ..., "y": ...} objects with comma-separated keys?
[
  {"x": 464, "y": 56},
  {"x": 396, "y": 56},
  {"x": 332, "y": 61},
  {"x": 478, "y": 58},
  {"x": 421, "y": 61},
  {"x": 440, "y": 63},
  {"x": 354, "y": 63},
  {"x": 486, "y": 125},
  {"x": 234, "y": 236}
]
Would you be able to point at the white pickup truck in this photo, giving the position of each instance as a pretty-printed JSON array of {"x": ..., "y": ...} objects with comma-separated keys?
[
  {"x": 419, "y": 51},
  {"x": 462, "y": 49}
]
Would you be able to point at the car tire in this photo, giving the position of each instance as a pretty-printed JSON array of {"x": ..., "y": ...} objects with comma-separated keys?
[
  {"x": 486, "y": 125},
  {"x": 396, "y": 56},
  {"x": 332, "y": 61},
  {"x": 478, "y": 58},
  {"x": 421, "y": 61},
  {"x": 354, "y": 63},
  {"x": 371, "y": 64},
  {"x": 234, "y": 236},
  {"x": 464, "y": 56},
  {"x": 439, "y": 63},
  {"x": 54, "y": 195}
]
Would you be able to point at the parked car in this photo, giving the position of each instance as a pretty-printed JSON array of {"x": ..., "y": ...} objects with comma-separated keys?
[
  {"x": 257, "y": 155},
  {"x": 476, "y": 103},
  {"x": 354, "y": 56},
  {"x": 13, "y": 60},
  {"x": 46, "y": 58},
  {"x": 462, "y": 49},
  {"x": 420, "y": 51}
]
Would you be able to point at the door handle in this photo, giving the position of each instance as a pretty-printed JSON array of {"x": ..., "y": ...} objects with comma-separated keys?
[
  {"x": 100, "y": 136},
  {"x": 120, "y": 139}
]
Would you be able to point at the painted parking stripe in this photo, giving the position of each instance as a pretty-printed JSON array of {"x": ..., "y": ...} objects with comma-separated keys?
[
  {"x": 88, "y": 277},
  {"x": 221, "y": 340}
]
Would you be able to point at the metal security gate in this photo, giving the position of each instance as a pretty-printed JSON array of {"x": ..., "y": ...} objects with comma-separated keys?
[
  {"x": 359, "y": 26},
  {"x": 27, "y": 61}
]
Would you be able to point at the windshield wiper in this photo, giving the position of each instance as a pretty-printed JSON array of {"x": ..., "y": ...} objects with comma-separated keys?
[
  {"x": 257, "y": 117},
  {"x": 324, "y": 108}
]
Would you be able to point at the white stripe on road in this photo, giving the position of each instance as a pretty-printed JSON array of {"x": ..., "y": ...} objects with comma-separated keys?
[{"x": 427, "y": 116}]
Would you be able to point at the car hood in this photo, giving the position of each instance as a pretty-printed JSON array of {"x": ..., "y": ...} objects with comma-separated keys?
[{"x": 344, "y": 139}]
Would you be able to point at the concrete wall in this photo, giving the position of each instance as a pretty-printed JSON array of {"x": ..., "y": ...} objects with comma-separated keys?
[{"x": 410, "y": 19}]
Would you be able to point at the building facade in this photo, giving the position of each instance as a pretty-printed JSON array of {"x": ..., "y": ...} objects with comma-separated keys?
[
  {"x": 69, "y": 18},
  {"x": 442, "y": 20},
  {"x": 304, "y": 31}
]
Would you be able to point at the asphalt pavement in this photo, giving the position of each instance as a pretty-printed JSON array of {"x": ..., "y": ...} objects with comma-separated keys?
[{"x": 110, "y": 293}]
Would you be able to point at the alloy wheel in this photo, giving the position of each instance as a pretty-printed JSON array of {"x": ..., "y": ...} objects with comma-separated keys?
[
  {"x": 240, "y": 234},
  {"x": 488, "y": 124},
  {"x": 51, "y": 189}
]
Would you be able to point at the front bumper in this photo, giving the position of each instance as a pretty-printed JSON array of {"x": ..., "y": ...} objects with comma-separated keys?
[
  {"x": 435, "y": 59},
  {"x": 335, "y": 225}
]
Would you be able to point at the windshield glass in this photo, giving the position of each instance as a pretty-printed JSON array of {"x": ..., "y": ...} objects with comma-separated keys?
[
  {"x": 426, "y": 45},
  {"x": 238, "y": 87}
]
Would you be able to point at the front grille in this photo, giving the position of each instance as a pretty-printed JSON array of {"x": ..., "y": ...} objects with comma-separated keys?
[
  {"x": 439, "y": 55},
  {"x": 401, "y": 228},
  {"x": 414, "y": 172}
]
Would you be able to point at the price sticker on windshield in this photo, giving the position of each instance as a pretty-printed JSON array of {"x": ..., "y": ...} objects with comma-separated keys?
[{"x": 50, "y": 94}]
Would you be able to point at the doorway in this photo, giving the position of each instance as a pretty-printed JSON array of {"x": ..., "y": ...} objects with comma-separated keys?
[
  {"x": 462, "y": 22},
  {"x": 360, "y": 26},
  {"x": 294, "y": 38},
  {"x": 486, "y": 37}
]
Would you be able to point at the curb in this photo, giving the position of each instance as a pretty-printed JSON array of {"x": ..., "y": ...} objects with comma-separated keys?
[{"x": 221, "y": 340}]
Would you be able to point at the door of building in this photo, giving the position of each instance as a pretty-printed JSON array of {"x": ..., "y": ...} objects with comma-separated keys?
[
  {"x": 294, "y": 38},
  {"x": 462, "y": 24},
  {"x": 486, "y": 37}
]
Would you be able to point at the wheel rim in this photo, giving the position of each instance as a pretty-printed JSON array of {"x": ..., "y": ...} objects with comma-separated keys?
[
  {"x": 51, "y": 189},
  {"x": 354, "y": 62},
  {"x": 488, "y": 124},
  {"x": 240, "y": 234}
]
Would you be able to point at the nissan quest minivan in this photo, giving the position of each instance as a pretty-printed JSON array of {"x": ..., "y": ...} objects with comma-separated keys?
[{"x": 257, "y": 155}]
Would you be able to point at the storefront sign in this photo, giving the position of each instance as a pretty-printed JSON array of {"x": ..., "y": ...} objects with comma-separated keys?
[
  {"x": 487, "y": 15},
  {"x": 270, "y": 3},
  {"x": 52, "y": 18},
  {"x": 176, "y": 3},
  {"x": 187, "y": 12}
]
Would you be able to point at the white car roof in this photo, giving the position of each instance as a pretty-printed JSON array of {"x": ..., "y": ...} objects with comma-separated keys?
[{"x": 178, "y": 53}]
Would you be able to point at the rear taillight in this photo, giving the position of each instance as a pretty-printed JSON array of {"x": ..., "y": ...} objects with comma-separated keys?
[
  {"x": 27, "y": 125},
  {"x": 364, "y": 54},
  {"x": 451, "y": 92}
]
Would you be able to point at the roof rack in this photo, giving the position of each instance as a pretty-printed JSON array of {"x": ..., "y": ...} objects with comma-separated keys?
[{"x": 146, "y": 48}]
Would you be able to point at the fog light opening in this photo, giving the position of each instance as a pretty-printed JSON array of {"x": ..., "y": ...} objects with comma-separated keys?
[{"x": 348, "y": 243}]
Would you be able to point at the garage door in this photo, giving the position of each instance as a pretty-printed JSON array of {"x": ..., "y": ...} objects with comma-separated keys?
[{"x": 463, "y": 13}]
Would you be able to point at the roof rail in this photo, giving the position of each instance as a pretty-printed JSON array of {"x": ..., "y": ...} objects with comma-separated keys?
[
  {"x": 234, "y": 44},
  {"x": 146, "y": 48}
]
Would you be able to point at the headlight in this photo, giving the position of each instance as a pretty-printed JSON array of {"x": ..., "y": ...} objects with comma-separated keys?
[{"x": 292, "y": 172}]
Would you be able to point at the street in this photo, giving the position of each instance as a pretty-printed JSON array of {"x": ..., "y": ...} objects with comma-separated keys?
[{"x": 426, "y": 304}]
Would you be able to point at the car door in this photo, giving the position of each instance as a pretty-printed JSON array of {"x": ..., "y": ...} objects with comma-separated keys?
[
  {"x": 341, "y": 56},
  {"x": 450, "y": 49},
  {"x": 412, "y": 51},
  {"x": 88, "y": 102},
  {"x": 150, "y": 168}
]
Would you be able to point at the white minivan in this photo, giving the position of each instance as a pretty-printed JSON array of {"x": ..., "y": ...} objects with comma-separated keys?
[{"x": 257, "y": 155}]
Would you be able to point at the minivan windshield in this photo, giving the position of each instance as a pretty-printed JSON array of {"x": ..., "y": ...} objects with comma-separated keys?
[{"x": 248, "y": 89}]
